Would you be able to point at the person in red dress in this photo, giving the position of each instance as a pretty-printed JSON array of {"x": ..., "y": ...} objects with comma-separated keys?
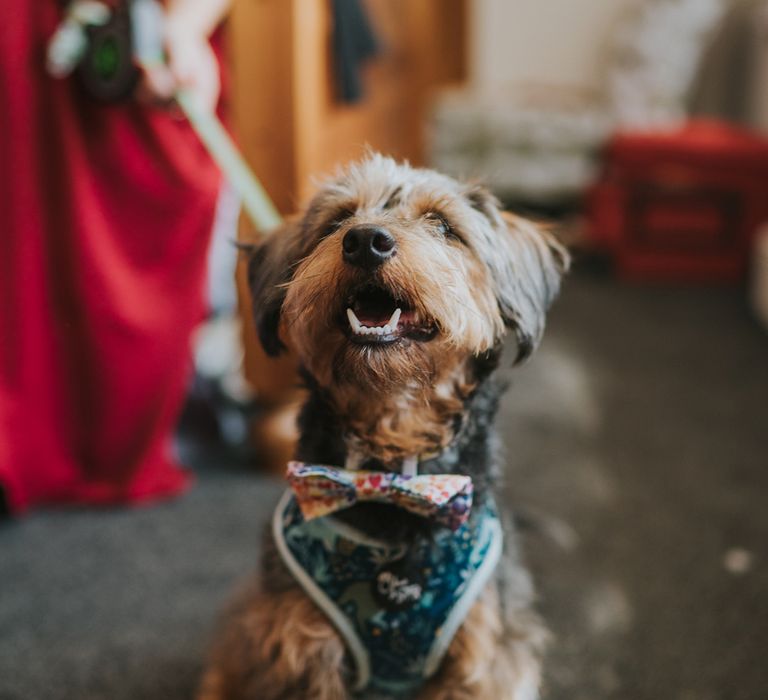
[{"x": 105, "y": 216}]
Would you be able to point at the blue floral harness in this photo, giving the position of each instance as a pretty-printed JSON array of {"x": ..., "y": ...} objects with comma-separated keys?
[{"x": 396, "y": 608}]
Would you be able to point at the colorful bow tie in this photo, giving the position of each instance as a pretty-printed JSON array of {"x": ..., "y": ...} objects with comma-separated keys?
[{"x": 321, "y": 490}]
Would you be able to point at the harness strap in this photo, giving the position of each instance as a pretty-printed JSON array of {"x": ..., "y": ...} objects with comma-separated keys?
[{"x": 394, "y": 649}]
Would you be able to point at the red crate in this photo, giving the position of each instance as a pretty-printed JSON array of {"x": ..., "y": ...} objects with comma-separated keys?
[{"x": 681, "y": 205}]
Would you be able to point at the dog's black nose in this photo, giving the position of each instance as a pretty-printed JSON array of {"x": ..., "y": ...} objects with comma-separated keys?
[{"x": 367, "y": 246}]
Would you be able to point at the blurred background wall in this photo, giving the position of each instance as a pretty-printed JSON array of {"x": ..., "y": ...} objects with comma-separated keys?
[{"x": 517, "y": 43}]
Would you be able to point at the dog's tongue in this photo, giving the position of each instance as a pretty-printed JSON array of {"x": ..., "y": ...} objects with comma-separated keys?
[
  {"x": 373, "y": 317},
  {"x": 374, "y": 311}
]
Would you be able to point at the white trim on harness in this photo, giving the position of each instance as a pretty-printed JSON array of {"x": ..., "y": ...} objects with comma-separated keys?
[
  {"x": 343, "y": 625},
  {"x": 461, "y": 608}
]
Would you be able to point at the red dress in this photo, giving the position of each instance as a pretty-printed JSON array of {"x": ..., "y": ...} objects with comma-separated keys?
[{"x": 105, "y": 215}]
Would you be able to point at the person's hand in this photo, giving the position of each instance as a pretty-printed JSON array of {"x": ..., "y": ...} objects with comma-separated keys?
[{"x": 190, "y": 64}]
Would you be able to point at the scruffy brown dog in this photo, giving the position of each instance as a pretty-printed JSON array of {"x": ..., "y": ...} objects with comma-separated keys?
[{"x": 395, "y": 290}]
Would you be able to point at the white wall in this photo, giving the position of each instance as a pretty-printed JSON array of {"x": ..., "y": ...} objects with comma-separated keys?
[{"x": 517, "y": 43}]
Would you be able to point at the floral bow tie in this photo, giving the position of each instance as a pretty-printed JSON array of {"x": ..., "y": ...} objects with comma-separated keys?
[{"x": 322, "y": 490}]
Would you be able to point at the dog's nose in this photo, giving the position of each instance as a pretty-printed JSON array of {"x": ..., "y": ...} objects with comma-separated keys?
[{"x": 367, "y": 246}]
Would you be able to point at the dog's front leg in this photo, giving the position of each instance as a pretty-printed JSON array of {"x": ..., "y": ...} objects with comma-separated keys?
[
  {"x": 488, "y": 660},
  {"x": 279, "y": 647}
]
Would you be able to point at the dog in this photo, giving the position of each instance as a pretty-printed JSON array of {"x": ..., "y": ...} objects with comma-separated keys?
[{"x": 395, "y": 290}]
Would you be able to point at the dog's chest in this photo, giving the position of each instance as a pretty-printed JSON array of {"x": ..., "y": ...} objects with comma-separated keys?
[{"x": 396, "y": 606}]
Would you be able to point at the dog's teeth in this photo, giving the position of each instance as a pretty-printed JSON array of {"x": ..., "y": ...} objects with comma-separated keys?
[
  {"x": 353, "y": 322},
  {"x": 359, "y": 329}
]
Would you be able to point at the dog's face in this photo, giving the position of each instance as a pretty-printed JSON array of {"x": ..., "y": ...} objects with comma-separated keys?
[{"x": 394, "y": 273}]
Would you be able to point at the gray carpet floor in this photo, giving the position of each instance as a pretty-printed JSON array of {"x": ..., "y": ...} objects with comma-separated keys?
[{"x": 637, "y": 443}]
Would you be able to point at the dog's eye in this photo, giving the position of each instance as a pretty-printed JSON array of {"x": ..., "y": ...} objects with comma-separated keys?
[
  {"x": 335, "y": 222},
  {"x": 442, "y": 226}
]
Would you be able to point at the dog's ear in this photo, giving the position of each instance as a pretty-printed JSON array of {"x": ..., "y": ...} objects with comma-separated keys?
[
  {"x": 529, "y": 266},
  {"x": 270, "y": 267}
]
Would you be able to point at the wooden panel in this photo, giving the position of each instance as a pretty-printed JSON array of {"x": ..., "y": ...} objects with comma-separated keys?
[
  {"x": 422, "y": 47},
  {"x": 290, "y": 123},
  {"x": 261, "y": 57},
  {"x": 330, "y": 132}
]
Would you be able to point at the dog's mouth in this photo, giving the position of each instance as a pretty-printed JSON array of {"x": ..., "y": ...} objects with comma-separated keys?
[{"x": 374, "y": 316}]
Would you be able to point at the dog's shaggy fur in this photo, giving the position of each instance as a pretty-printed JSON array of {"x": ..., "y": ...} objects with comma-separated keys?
[{"x": 464, "y": 272}]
